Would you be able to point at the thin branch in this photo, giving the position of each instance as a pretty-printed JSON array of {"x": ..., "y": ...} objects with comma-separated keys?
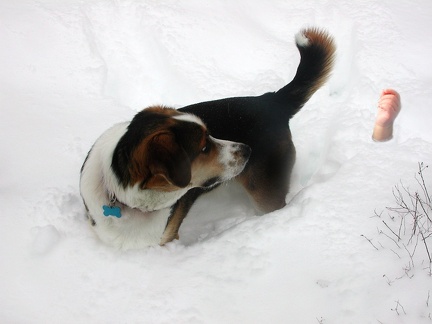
[
  {"x": 426, "y": 246},
  {"x": 399, "y": 238},
  {"x": 391, "y": 238},
  {"x": 424, "y": 210},
  {"x": 427, "y": 300},
  {"x": 410, "y": 255},
  {"x": 415, "y": 216},
  {"x": 370, "y": 241},
  {"x": 389, "y": 282},
  {"x": 397, "y": 307},
  {"x": 396, "y": 254},
  {"x": 423, "y": 184}
]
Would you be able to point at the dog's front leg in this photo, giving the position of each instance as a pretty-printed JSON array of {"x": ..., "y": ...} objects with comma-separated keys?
[{"x": 178, "y": 213}]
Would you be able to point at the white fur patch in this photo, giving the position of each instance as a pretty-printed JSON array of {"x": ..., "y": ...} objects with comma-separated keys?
[
  {"x": 227, "y": 157},
  {"x": 301, "y": 39},
  {"x": 190, "y": 118}
]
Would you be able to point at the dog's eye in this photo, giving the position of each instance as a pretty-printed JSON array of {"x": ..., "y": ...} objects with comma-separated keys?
[{"x": 206, "y": 149}]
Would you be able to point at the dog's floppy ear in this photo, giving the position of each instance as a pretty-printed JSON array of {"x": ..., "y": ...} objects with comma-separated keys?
[{"x": 168, "y": 163}]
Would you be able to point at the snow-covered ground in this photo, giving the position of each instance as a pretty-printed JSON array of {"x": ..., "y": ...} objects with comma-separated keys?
[{"x": 70, "y": 69}]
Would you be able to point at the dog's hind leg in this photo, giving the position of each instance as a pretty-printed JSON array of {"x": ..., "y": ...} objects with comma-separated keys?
[{"x": 267, "y": 179}]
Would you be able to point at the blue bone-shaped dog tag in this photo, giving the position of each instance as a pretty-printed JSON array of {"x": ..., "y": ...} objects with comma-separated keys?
[{"x": 111, "y": 211}]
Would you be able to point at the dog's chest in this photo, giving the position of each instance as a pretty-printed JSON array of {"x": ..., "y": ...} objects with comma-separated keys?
[{"x": 134, "y": 229}]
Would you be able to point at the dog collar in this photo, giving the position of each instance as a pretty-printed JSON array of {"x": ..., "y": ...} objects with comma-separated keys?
[{"x": 111, "y": 209}]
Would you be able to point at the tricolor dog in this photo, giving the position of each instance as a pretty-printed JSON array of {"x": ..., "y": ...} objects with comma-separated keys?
[
  {"x": 137, "y": 171},
  {"x": 141, "y": 178}
]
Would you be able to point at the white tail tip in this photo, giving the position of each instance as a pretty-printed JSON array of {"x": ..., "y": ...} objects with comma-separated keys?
[{"x": 301, "y": 39}]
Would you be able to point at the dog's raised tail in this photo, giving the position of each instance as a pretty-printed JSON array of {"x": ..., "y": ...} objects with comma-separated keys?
[{"x": 317, "y": 51}]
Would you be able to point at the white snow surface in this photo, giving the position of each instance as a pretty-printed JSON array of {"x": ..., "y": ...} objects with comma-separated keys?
[{"x": 71, "y": 69}]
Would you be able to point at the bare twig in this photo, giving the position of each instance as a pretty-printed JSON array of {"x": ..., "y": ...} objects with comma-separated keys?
[
  {"x": 376, "y": 214},
  {"x": 410, "y": 255},
  {"x": 427, "y": 300},
  {"x": 398, "y": 237},
  {"x": 407, "y": 270},
  {"x": 426, "y": 246},
  {"x": 422, "y": 167},
  {"x": 391, "y": 238},
  {"x": 389, "y": 282},
  {"x": 370, "y": 241},
  {"x": 396, "y": 254},
  {"x": 424, "y": 210},
  {"x": 415, "y": 216},
  {"x": 396, "y": 309}
]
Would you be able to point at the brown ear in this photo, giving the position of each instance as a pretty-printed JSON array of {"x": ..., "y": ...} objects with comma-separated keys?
[{"x": 168, "y": 163}]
